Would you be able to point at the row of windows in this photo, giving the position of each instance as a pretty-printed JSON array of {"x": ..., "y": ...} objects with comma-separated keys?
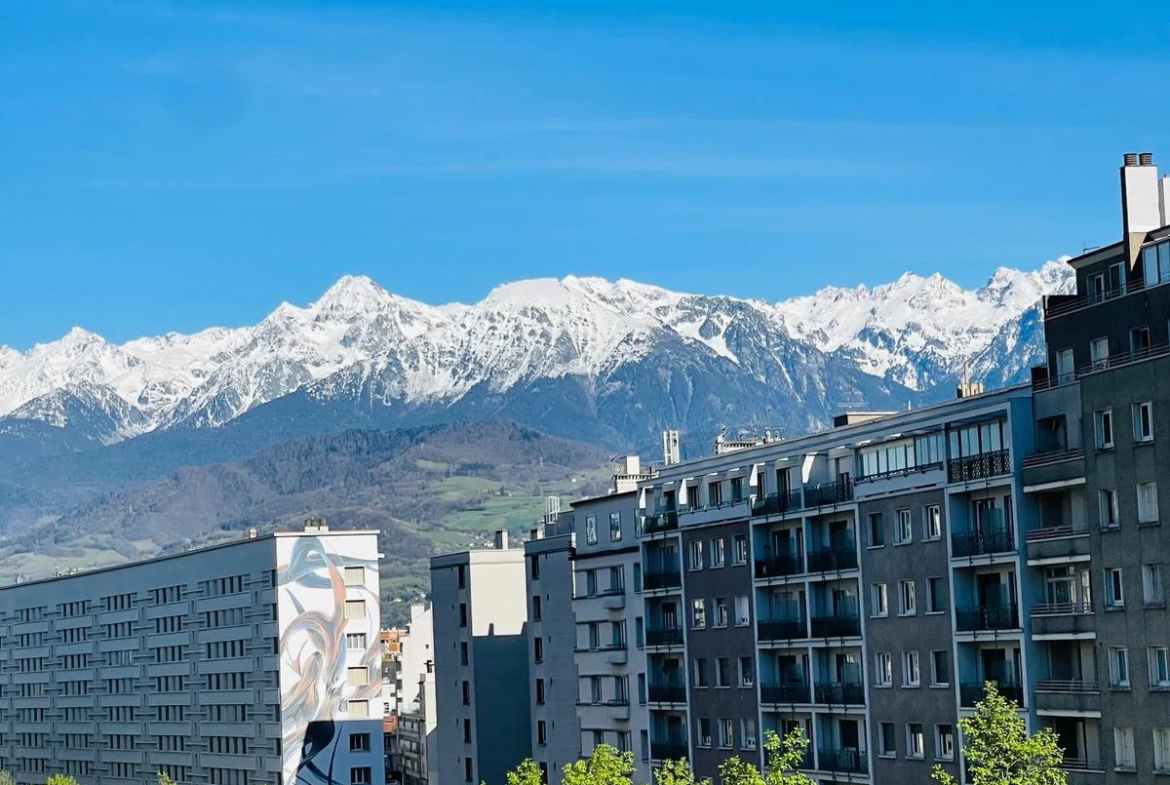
[
  {"x": 716, "y": 555},
  {"x": 1158, "y": 663},
  {"x": 940, "y": 669},
  {"x": 936, "y": 601},
  {"x": 725, "y": 733},
  {"x": 1153, "y": 591},
  {"x": 931, "y": 526},
  {"x": 719, "y": 612},
  {"x": 615, "y": 529},
  {"x": 1147, "y": 505},
  {"x": 724, "y": 673},
  {"x": 1143, "y": 425},
  {"x": 944, "y": 741}
]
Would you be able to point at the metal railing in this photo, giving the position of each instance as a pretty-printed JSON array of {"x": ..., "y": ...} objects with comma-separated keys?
[
  {"x": 836, "y": 626},
  {"x": 669, "y": 750},
  {"x": 782, "y": 629},
  {"x": 987, "y": 617},
  {"x": 852, "y": 761},
  {"x": 1062, "y": 608},
  {"x": 1062, "y": 304},
  {"x": 785, "y": 692},
  {"x": 661, "y": 579},
  {"x": 978, "y": 467},
  {"x": 1083, "y": 764},
  {"x": 1068, "y": 685},
  {"x": 828, "y": 493},
  {"x": 664, "y": 636},
  {"x": 1056, "y": 532},
  {"x": 983, "y": 543},
  {"x": 840, "y": 694},
  {"x": 663, "y": 520},
  {"x": 903, "y": 472},
  {"x": 1049, "y": 457},
  {"x": 786, "y": 564},
  {"x": 693, "y": 508},
  {"x": 777, "y": 503},
  {"x": 666, "y": 693},
  {"x": 831, "y": 559},
  {"x": 1104, "y": 364},
  {"x": 970, "y": 694}
]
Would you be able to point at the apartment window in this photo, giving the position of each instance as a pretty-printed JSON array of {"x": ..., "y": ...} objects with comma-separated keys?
[
  {"x": 944, "y": 742},
  {"x": 590, "y": 583},
  {"x": 739, "y": 549},
  {"x": 355, "y": 609},
  {"x": 637, "y": 577},
  {"x": 356, "y": 677},
  {"x": 541, "y": 733},
  {"x": 887, "y": 747},
  {"x": 538, "y": 649},
  {"x": 360, "y": 710},
  {"x": 747, "y": 672},
  {"x": 904, "y": 530},
  {"x": 696, "y": 562},
  {"x": 643, "y": 744},
  {"x": 1147, "y": 502},
  {"x": 884, "y": 669},
  {"x": 1143, "y": 422},
  {"x": 540, "y": 692},
  {"x": 467, "y": 692},
  {"x": 463, "y": 658},
  {"x": 590, "y": 529},
  {"x": 641, "y": 689},
  {"x": 462, "y": 613},
  {"x": 726, "y": 733},
  {"x": 747, "y": 734},
  {"x": 704, "y": 724},
  {"x": 1099, "y": 351},
  {"x": 698, "y": 614},
  {"x": 877, "y": 537},
  {"x": 593, "y": 629},
  {"x": 1119, "y": 667},
  {"x": 722, "y": 672},
  {"x": 1064, "y": 364},
  {"x": 720, "y": 612},
  {"x": 714, "y": 494},
  {"x": 914, "y": 741},
  {"x": 1159, "y": 668},
  {"x": 1123, "y": 752},
  {"x": 736, "y": 489},
  {"x": 615, "y": 527},
  {"x": 1162, "y": 750},
  {"x": 360, "y": 775},
  {"x": 461, "y": 575},
  {"x": 1114, "y": 588},
  {"x": 355, "y": 576},
  {"x": 879, "y": 600},
  {"x": 940, "y": 668},
  {"x": 598, "y": 738},
  {"x": 1103, "y": 429},
  {"x": 536, "y": 612},
  {"x": 1107, "y": 502},
  {"x": 1139, "y": 339},
  {"x": 907, "y": 601},
  {"x": 935, "y": 595},
  {"x": 911, "y": 674},
  {"x": 595, "y": 689},
  {"x": 743, "y": 616},
  {"x": 931, "y": 522},
  {"x": 359, "y": 742},
  {"x": 467, "y": 770},
  {"x": 700, "y": 672},
  {"x": 1152, "y": 584},
  {"x": 718, "y": 552}
]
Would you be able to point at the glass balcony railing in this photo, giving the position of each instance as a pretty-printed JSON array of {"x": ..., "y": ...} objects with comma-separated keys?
[
  {"x": 660, "y": 521},
  {"x": 661, "y": 579},
  {"x": 782, "y": 629},
  {"x": 671, "y": 692},
  {"x": 829, "y": 493},
  {"x": 777, "y": 503},
  {"x": 664, "y": 636},
  {"x": 836, "y": 626},
  {"x": 831, "y": 559},
  {"x": 782, "y": 564},
  {"x": 970, "y": 694},
  {"x": 840, "y": 693},
  {"x": 785, "y": 692},
  {"x": 976, "y": 618},
  {"x": 851, "y": 761},
  {"x": 669, "y": 750}
]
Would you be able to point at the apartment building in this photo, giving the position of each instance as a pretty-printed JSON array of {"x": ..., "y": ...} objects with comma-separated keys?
[
  {"x": 255, "y": 661},
  {"x": 479, "y": 600},
  {"x": 415, "y": 688}
]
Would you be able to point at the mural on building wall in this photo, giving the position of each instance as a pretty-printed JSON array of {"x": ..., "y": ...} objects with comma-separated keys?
[{"x": 317, "y": 650}]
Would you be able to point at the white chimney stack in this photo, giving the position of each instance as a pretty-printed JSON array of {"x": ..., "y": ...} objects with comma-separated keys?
[
  {"x": 1143, "y": 202},
  {"x": 501, "y": 539}
]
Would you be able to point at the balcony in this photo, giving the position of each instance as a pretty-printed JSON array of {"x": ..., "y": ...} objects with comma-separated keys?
[
  {"x": 661, "y": 579},
  {"x": 661, "y": 521},
  {"x": 666, "y": 693},
  {"x": 669, "y": 750},
  {"x": 1082, "y": 764},
  {"x": 782, "y": 629},
  {"x": 1000, "y": 539},
  {"x": 970, "y": 694},
  {"x": 977, "y": 618},
  {"x": 776, "y": 503},
  {"x": 836, "y": 626},
  {"x": 832, "y": 559},
  {"x": 1057, "y": 542},
  {"x": 1062, "y": 618},
  {"x": 850, "y": 761},
  {"x": 827, "y": 494},
  {"x": 776, "y": 566},
  {"x": 664, "y": 636},
  {"x": 785, "y": 692},
  {"x": 979, "y": 467},
  {"x": 1052, "y": 466},
  {"x": 1068, "y": 695},
  {"x": 842, "y": 694}
]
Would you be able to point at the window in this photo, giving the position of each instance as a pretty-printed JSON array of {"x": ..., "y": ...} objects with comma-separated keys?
[
  {"x": 720, "y": 612},
  {"x": 887, "y": 747},
  {"x": 467, "y": 692},
  {"x": 540, "y": 692},
  {"x": 747, "y": 734},
  {"x": 722, "y": 672},
  {"x": 696, "y": 562},
  {"x": 936, "y": 595},
  {"x": 877, "y": 537},
  {"x": 907, "y": 602},
  {"x": 355, "y": 576},
  {"x": 617, "y": 580},
  {"x": 737, "y": 489},
  {"x": 1119, "y": 667},
  {"x": 1103, "y": 429},
  {"x": 533, "y": 568},
  {"x": 462, "y": 613},
  {"x": 360, "y": 775},
  {"x": 747, "y": 672},
  {"x": 914, "y": 742},
  {"x": 359, "y": 742},
  {"x": 1114, "y": 589},
  {"x": 704, "y": 724},
  {"x": 1123, "y": 752},
  {"x": 911, "y": 677},
  {"x": 536, "y": 611},
  {"x": 932, "y": 522},
  {"x": 743, "y": 616},
  {"x": 879, "y": 600},
  {"x": 1143, "y": 422},
  {"x": 639, "y": 632},
  {"x": 718, "y": 552},
  {"x": 739, "y": 549},
  {"x": 590, "y": 529},
  {"x": 463, "y": 653},
  {"x": 615, "y": 527},
  {"x": 1107, "y": 501},
  {"x": 944, "y": 742},
  {"x": 467, "y": 770},
  {"x": 904, "y": 531},
  {"x": 1147, "y": 502},
  {"x": 714, "y": 494},
  {"x": 1159, "y": 668},
  {"x": 541, "y": 733},
  {"x": 461, "y": 575},
  {"x": 726, "y": 733},
  {"x": 590, "y": 583},
  {"x": 1162, "y": 750},
  {"x": 698, "y": 614},
  {"x": 1099, "y": 351},
  {"x": 356, "y": 677},
  {"x": 700, "y": 672},
  {"x": 355, "y": 609},
  {"x": 940, "y": 668},
  {"x": 883, "y": 669},
  {"x": 360, "y": 710},
  {"x": 1152, "y": 584},
  {"x": 1064, "y": 364},
  {"x": 538, "y": 649}
]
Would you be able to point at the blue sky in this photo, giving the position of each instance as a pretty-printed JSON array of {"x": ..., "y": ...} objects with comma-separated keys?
[{"x": 174, "y": 165}]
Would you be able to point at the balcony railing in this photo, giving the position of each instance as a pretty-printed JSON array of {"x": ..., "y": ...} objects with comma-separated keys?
[
  {"x": 836, "y": 626},
  {"x": 828, "y": 493},
  {"x": 905, "y": 471},
  {"x": 661, "y": 579},
  {"x": 669, "y": 750},
  {"x": 1061, "y": 304},
  {"x": 851, "y": 761},
  {"x": 1049, "y": 457},
  {"x": 1062, "y": 608},
  {"x": 1083, "y": 764},
  {"x": 1056, "y": 532},
  {"x": 970, "y": 694},
  {"x": 843, "y": 694},
  {"x": 663, "y": 520},
  {"x": 785, "y": 692},
  {"x": 665, "y": 636},
  {"x": 983, "y": 543},
  {"x": 666, "y": 693},
  {"x": 782, "y": 629},
  {"x": 831, "y": 559},
  {"x": 1045, "y": 382},
  {"x": 987, "y": 617},
  {"x": 773, "y": 566},
  {"x": 1068, "y": 685},
  {"x": 776, "y": 503},
  {"x": 978, "y": 467}
]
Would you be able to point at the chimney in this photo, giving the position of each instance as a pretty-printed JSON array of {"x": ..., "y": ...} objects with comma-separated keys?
[
  {"x": 670, "y": 451},
  {"x": 316, "y": 526},
  {"x": 1143, "y": 207},
  {"x": 501, "y": 539},
  {"x": 536, "y": 533}
]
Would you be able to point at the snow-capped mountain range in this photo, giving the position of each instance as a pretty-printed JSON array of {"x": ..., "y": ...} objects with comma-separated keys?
[{"x": 624, "y": 351}]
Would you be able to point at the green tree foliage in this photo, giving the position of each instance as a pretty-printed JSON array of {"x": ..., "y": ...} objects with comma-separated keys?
[
  {"x": 61, "y": 779},
  {"x": 677, "y": 772},
  {"x": 527, "y": 773},
  {"x": 165, "y": 779},
  {"x": 6, "y": 777},
  {"x": 605, "y": 766},
  {"x": 999, "y": 750},
  {"x": 783, "y": 757}
]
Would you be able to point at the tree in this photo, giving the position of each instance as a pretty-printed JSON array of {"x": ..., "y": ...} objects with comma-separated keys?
[
  {"x": 6, "y": 777},
  {"x": 61, "y": 779},
  {"x": 677, "y": 772},
  {"x": 783, "y": 757},
  {"x": 527, "y": 773},
  {"x": 605, "y": 766},
  {"x": 164, "y": 778},
  {"x": 999, "y": 749}
]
